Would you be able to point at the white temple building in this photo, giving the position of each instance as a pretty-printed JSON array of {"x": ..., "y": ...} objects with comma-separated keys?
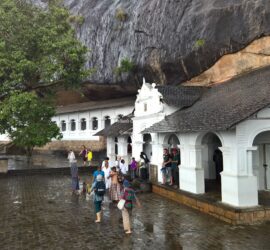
[{"x": 233, "y": 117}]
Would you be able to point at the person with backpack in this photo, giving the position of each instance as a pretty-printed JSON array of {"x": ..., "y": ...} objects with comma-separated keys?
[
  {"x": 98, "y": 172},
  {"x": 130, "y": 197},
  {"x": 99, "y": 190}
]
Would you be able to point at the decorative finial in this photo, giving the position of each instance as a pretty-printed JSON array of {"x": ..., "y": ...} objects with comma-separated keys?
[{"x": 154, "y": 85}]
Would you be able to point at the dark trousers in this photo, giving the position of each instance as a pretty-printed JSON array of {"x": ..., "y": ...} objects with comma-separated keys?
[{"x": 175, "y": 175}]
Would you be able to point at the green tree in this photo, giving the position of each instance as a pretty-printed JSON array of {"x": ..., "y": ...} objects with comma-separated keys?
[
  {"x": 27, "y": 120},
  {"x": 38, "y": 52},
  {"x": 38, "y": 48}
]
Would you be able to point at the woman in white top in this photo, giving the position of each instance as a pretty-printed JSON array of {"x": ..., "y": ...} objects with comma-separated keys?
[
  {"x": 74, "y": 172},
  {"x": 106, "y": 169}
]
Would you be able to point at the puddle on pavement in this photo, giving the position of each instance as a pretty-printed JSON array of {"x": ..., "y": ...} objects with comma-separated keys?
[{"x": 41, "y": 161}]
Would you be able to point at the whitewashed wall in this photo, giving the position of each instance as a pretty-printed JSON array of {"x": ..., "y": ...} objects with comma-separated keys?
[
  {"x": 148, "y": 110},
  {"x": 88, "y": 133}
]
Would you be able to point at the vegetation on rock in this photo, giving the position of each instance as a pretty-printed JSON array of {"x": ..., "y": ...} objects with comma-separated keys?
[
  {"x": 199, "y": 43},
  {"x": 125, "y": 66},
  {"x": 121, "y": 15}
]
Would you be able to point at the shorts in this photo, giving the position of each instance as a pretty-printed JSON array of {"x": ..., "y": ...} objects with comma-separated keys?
[
  {"x": 164, "y": 172},
  {"x": 98, "y": 206},
  {"x": 85, "y": 158},
  {"x": 169, "y": 172}
]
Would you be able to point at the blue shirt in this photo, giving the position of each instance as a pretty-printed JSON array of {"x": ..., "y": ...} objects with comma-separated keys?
[{"x": 97, "y": 172}]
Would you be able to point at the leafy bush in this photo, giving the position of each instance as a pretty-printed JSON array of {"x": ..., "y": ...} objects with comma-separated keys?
[
  {"x": 121, "y": 15},
  {"x": 125, "y": 66},
  {"x": 199, "y": 43}
]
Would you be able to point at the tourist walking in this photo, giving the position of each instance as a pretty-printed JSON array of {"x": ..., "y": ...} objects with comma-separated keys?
[
  {"x": 74, "y": 172},
  {"x": 106, "y": 169},
  {"x": 133, "y": 168},
  {"x": 98, "y": 172},
  {"x": 144, "y": 168},
  {"x": 99, "y": 190},
  {"x": 115, "y": 189},
  {"x": 83, "y": 154},
  {"x": 130, "y": 198}
]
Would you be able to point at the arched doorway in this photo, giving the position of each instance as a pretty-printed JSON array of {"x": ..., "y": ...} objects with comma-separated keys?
[
  {"x": 173, "y": 141},
  {"x": 212, "y": 162},
  {"x": 129, "y": 145},
  {"x": 116, "y": 147},
  {"x": 261, "y": 160},
  {"x": 147, "y": 146}
]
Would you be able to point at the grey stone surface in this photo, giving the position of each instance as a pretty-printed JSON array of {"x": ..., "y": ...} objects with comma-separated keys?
[
  {"x": 39, "y": 212},
  {"x": 168, "y": 40}
]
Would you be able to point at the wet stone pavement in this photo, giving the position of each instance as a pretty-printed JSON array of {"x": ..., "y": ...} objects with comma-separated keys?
[{"x": 39, "y": 212}]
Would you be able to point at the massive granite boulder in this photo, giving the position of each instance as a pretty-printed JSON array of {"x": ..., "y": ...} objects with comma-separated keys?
[{"x": 168, "y": 41}]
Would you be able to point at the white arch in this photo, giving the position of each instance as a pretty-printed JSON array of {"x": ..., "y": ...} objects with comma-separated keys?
[
  {"x": 256, "y": 132},
  {"x": 198, "y": 140},
  {"x": 167, "y": 137}
]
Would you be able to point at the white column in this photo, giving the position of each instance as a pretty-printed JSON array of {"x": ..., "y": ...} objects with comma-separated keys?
[
  {"x": 239, "y": 188},
  {"x": 111, "y": 148},
  {"x": 256, "y": 167},
  {"x": 137, "y": 145},
  {"x": 191, "y": 173},
  {"x": 122, "y": 148},
  {"x": 157, "y": 158}
]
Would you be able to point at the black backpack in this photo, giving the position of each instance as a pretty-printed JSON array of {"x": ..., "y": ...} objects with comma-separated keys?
[{"x": 100, "y": 188}]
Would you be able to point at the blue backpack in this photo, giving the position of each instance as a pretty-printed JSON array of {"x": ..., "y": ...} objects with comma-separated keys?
[{"x": 100, "y": 188}]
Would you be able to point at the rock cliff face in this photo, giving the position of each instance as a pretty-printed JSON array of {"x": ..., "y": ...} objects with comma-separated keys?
[
  {"x": 255, "y": 55},
  {"x": 168, "y": 41}
]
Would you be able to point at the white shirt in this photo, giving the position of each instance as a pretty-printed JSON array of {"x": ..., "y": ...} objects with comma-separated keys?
[
  {"x": 106, "y": 174},
  {"x": 71, "y": 157},
  {"x": 123, "y": 168}
]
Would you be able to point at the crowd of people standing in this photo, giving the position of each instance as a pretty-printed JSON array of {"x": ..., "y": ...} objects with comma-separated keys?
[{"x": 109, "y": 182}]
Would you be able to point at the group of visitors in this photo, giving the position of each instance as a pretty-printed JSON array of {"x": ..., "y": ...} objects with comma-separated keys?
[
  {"x": 112, "y": 181},
  {"x": 86, "y": 155},
  {"x": 169, "y": 169},
  {"x": 109, "y": 181}
]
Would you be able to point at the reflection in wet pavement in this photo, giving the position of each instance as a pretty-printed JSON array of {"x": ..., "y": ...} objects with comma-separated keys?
[
  {"x": 38, "y": 161},
  {"x": 39, "y": 212}
]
